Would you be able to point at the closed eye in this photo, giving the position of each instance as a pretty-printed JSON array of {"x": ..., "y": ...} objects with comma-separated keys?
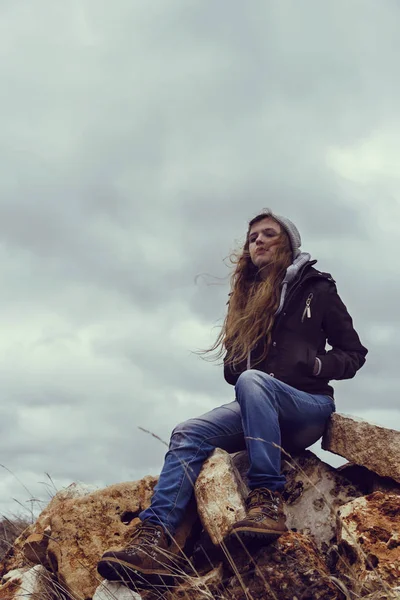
[{"x": 269, "y": 233}]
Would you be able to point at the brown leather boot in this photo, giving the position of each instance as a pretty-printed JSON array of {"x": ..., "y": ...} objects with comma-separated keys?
[
  {"x": 265, "y": 518},
  {"x": 145, "y": 561}
]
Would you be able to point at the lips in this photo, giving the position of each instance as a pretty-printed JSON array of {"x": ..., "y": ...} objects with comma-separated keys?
[{"x": 260, "y": 250}]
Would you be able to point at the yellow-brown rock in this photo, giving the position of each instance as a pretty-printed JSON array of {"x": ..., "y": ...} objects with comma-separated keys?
[
  {"x": 82, "y": 525},
  {"x": 16, "y": 558},
  {"x": 35, "y": 547},
  {"x": 369, "y": 543},
  {"x": 83, "y": 528}
]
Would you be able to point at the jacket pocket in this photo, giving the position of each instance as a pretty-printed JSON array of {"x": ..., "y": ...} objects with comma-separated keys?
[
  {"x": 304, "y": 359},
  {"x": 311, "y": 356}
]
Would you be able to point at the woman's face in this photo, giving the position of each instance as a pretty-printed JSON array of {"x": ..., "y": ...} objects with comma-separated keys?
[{"x": 263, "y": 239}]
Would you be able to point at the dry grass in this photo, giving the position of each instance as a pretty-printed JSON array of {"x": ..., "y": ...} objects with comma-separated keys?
[{"x": 10, "y": 529}]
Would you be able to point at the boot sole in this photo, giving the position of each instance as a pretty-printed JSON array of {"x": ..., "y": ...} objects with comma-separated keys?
[
  {"x": 124, "y": 572},
  {"x": 256, "y": 534}
]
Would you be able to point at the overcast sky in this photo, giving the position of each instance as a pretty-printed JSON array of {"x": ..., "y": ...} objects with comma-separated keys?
[{"x": 137, "y": 140}]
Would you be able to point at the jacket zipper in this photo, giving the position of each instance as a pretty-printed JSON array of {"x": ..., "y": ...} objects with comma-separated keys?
[
  {"x": 307, "y": 309},
  {"x": 290, "y": 296}
]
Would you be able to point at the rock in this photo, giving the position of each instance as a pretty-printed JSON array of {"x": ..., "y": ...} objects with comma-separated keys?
[
  {"x": 35, "y": 547},
  {"x": 392, "y": 594},
  {"x": 367, "y": 480},
  {"x": 220, "y": 495},
  {"x": 205, "y": 554},
  {"x": 21, "y": 552},
  {"x": 312, "y": 495},
  {"x": 369, "y": 543},
  {"x": 75, "y": 490},
  {"x": 83, "y": 525},
  {"x": 371, "y": 446},
  {"x": 14, "y": 574},
  {"x": 109, "y": 590},
  {"x": 28, "y": 584},
  {"x": 287, "y": 569},
  {"x": 200, "y": 588}
]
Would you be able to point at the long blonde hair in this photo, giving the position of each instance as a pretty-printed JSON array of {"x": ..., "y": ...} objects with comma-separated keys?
[{"x": 253, "y": 301}]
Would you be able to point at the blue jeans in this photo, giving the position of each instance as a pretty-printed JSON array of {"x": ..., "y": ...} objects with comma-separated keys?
[{"x": 266, "y": 415}]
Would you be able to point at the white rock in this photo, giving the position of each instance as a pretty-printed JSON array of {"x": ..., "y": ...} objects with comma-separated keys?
[
  {"x": 220, "y": 495},
  {"x": 14, "y": 574},
  {"x": 109, "y": 590},
  {"x": 76, "y": 490},
  {"x": 32, "y": 582},
  {"x": 27, "y": 584},
  {"x": 313, "y": 493}
]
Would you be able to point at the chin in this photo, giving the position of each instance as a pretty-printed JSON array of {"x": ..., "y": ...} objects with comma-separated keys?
[{"x": 261, "y": 262}]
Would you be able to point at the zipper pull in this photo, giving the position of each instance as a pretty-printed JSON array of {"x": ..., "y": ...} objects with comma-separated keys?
[{"x": 307, "y": 309}]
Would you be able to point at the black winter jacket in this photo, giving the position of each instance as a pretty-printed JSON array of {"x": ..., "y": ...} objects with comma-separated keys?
[{"x": 299, "y": 336}]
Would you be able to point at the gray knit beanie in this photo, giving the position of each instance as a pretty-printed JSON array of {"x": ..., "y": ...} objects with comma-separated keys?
[{"x": 289, "y": 227}]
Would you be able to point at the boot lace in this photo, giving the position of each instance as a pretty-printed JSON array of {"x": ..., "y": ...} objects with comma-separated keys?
[
  {"x": 144, "y": 535},
  {"x": 145, "y": 540},
  {"x": 265, "y": 501}
]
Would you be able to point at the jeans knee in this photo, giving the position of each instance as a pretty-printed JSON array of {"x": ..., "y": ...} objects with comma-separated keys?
[
  {"x": 246, "y": 378},
  {"x": 185, "y": 432},
  {"x": 253, "y": 378},
  {"x": 253, "y": 384},
  {"x": 180, "y": 430}
]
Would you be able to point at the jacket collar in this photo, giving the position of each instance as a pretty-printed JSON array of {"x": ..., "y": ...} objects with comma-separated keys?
[{"x": 293, "y": 273}]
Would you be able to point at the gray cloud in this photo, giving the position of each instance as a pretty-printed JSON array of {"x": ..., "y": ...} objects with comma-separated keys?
[{"x": 137, "y": 143}]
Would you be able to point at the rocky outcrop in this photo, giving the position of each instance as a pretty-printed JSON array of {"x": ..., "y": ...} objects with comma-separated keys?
[
  {"x": 369, "y": 542},
  {"x": 371, "y": 446},
  {"x": 343, "y": 541}
]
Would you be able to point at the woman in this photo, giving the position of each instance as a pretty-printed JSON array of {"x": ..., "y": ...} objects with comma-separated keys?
[{"x": 281, "y": 314}]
